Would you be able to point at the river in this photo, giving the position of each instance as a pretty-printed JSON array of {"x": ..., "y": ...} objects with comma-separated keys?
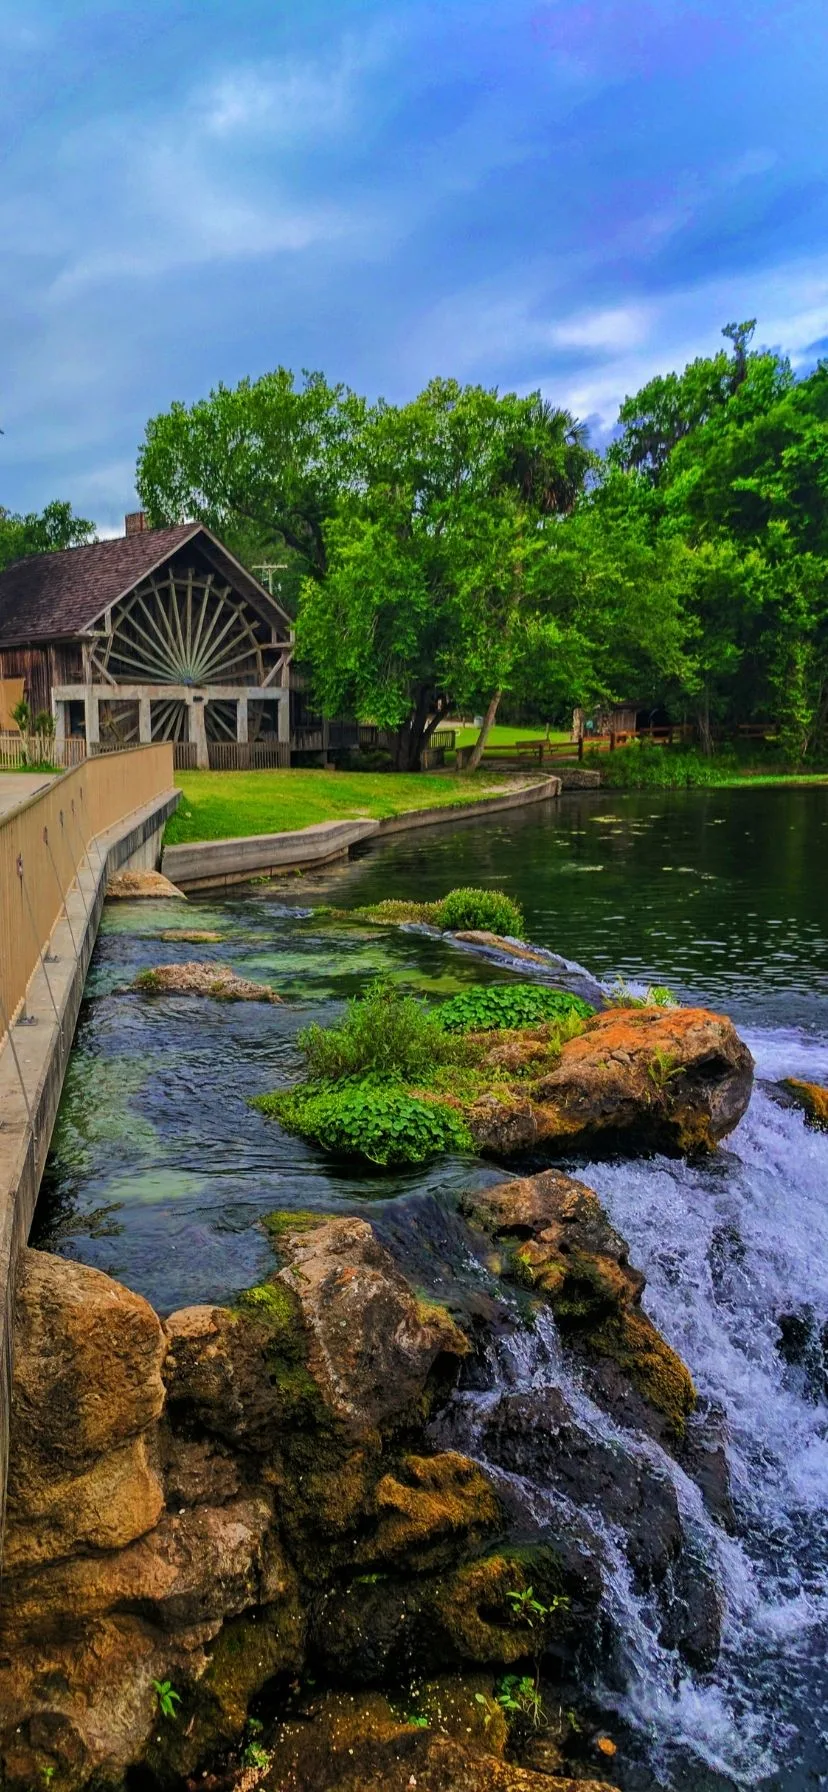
[{"x": 160, "y": 1171}]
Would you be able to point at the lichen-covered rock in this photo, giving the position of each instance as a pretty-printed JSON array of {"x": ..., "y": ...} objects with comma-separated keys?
[
  {"x": 372, "y": 1345},
  {"x": 676, "y": 1080},
  {"x": 557, "y": 1240},
  {"x": 87, "y": 1391},
  {"x": 217, "y": 981}
]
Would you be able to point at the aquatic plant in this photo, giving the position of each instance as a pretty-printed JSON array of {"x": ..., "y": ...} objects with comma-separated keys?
[
  {"x": 372, "y": 1117},
  {"x": 485, "y": 1007},
  {"x": 486, "y": 911},
  {"x": 383, "y": 1031}
]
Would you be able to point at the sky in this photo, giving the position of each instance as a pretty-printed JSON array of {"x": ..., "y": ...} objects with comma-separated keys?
[{"x": 565, "y": 194}]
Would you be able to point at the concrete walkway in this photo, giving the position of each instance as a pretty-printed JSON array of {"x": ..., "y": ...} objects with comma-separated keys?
[{"x": 15, "y": 787}]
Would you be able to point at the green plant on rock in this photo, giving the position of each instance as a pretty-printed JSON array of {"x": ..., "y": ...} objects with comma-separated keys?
[
  {"x": 659, "y": 996},
  {"x": 662, "y": 1067},
  {"x": 532, "y": 1611},
  {"x": 383, "y": 1031},
  {"x": 520, "y": 1696},
  {"x": 484, "y": 911},
  {"x": 167, "y": 1697},
  {"x": 371, "y": 1117},
  {"x": 487, "y": 1007}
]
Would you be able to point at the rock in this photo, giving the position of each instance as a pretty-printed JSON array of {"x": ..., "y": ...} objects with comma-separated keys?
[
  {"x": 361, "y": 1745},
  {"x": 429, "y": 1511},
  {"x": 194, "y": 1568},
  {"x": 136, "y": 884},
  {"x": 194, "y": 979},
  {"x": 812, "y": 1099},
  {"x": 537, "y": 1436},
  {"x": 237, "y": 1374},
  {"x": 372, "y": 1344},
  {"x": 87, "y": 1390},
  {"x": 78, "y": 1715},
  {"x": 673, "y": 1080},
  {"x": 559, "y": 1242}
]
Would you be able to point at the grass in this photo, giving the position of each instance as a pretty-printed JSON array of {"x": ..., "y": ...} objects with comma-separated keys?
[
  {"x": 224, "y": 805},
  {"x": 507, "y": 736}
]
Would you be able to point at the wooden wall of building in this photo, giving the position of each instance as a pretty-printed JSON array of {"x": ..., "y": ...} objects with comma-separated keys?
[{"x": 41, "y": 668}]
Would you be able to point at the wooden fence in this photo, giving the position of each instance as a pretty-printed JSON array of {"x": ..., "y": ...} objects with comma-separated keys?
[
  {"x": 44, "y": 841},
  {"x": 247, "y": 756}
]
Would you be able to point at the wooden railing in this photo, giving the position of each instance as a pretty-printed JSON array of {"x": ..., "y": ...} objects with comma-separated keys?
[{"x": 43, "y": 842}]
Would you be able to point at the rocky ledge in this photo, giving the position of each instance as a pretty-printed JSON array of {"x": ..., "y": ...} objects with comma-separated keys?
[
  {"x": 199, "y": 979},
  {"x": 271, "y": 1500}
]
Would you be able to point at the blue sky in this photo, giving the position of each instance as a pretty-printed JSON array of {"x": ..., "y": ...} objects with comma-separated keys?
[{"x": 572, "y": 194}]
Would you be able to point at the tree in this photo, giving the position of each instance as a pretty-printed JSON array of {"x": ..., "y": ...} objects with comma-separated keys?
[
  {"x": 263, "y": 463},
  {"x": 43, "y": 532},
  {"x": 432, "y": 555}
]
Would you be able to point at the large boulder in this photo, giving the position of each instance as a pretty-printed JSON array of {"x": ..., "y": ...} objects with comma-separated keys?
[
  {"x": 87, "y": 1393},
  {"x": 676, "y": 1080}
]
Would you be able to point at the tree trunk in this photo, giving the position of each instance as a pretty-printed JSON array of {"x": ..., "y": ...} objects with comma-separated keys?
[
  {"x": 703, "y": 724},
  {"x": 477, "y": 749},
  {"x": 414, "y": 733}
]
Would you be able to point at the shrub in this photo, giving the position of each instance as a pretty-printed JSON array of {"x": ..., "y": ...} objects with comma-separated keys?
[
  {"x": 494, "y": 1005},
  {"x": 642, "y": 765},
  {"x": 369, "y": 1117},
  {"x": 488, "y": 911},
  {"x": 383, "y": 1031}
]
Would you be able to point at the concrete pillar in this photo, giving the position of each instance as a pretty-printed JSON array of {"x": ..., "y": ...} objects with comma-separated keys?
[
  {"x": 93, "y": 731},
  {"x": 241, "y": 719},
  {"x": 145, "y": 720},
  {"x": 198, "y": 732}
]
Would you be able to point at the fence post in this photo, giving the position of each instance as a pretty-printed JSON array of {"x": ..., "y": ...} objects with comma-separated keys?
[
  {"x": 580, "y": 746},
  {"x": 612, "y": 740}
]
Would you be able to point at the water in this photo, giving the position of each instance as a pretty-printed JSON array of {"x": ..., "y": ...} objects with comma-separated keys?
[{"x": 160, "y": 1172}]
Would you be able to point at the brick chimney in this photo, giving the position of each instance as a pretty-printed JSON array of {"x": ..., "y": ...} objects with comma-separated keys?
[{"x": 135, "y": 522}]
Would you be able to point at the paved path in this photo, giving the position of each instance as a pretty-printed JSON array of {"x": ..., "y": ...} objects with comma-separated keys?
[{"x": 15, "y": 787}]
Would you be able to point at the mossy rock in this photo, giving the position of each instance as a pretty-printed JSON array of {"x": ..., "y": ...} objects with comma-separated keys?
[
  {"x": 812, "y": 1098},
  {"x": 630, "y": 1341}
]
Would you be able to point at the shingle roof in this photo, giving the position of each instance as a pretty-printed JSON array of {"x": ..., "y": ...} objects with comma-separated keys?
[{"x": 48, "y": 597}]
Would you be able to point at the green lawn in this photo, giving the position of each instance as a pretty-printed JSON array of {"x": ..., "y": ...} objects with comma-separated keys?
[
  {"x": 220, "y": 805},
  {"x": 506, "y": 736}
]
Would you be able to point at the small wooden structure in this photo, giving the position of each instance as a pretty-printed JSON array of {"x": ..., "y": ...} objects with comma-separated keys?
[{"x": 159, "y": 635}]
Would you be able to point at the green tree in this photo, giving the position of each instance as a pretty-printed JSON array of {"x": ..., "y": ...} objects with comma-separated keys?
[
  {"x": 263, "y": 463},
  {"x": 41, "y": 532},
  {"x": 433, "y": 557}
]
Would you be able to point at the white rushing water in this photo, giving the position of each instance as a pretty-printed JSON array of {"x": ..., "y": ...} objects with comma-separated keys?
[{"x": 728, "y": 1247}]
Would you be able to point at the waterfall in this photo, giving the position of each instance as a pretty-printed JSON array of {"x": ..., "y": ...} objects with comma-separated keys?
[{"x": 730, "y": 1247}]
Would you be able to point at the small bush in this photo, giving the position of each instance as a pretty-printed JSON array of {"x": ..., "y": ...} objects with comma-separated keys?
[
  {"x": 383, "y": 1031},
  {"x": 486, "y": 911},
  {"x": 369, "y": 1117},
  {"x": 496, "y": 1005}
]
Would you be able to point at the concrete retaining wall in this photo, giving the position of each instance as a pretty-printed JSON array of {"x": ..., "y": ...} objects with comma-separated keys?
[
  {"x": 207, "y": 864},
  {"x": 35, "y": 1056}
]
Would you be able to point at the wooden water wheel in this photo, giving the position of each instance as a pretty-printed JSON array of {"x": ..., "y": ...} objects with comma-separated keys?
[{"x": 184, "y": 628}]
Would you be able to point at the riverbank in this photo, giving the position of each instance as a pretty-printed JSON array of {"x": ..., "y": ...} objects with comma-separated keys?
[{"x": 642, "y": 767}]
